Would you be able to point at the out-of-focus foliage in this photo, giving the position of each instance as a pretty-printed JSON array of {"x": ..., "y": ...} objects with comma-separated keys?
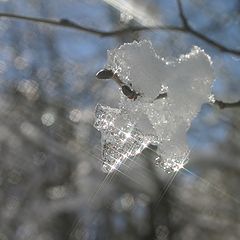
[{"x": 51, "y": 183}]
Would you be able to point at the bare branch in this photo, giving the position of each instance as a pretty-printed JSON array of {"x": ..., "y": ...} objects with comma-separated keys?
[
  {"x": 186, "y": 28},
  {"x": 182, "y": 15},
  {"x": 70, "y": 24},
  {"x": 223, "y": 105},
  {"x": 61, "y": 22}
]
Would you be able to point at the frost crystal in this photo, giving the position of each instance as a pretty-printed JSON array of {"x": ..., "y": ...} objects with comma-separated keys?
[
  {"x": 186, "y": 83},
  {"x": 121, "y": 138}
]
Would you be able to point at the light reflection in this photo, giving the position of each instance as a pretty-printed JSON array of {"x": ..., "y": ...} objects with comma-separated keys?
[
  {"x": 140, "y": 12},
  {"x": 48, "y": 118},
  {"x": 83, "y": 169},
  {"x": 43, "y": 73},
  {"x": 75, "y": 115},
  {"x": 122, "y": 204},
  {"x": 20, "y": 63},
  {"x": 26, "y": 231},
  {"x": 3, "y": 67},
  {"x": 119, "y": 143},
  {"x": 29, "y": 88},
  {"x": 128, "y": 134},
  {"x": 57, "y": 192},
  {"x": 125, "y": 18},
  {"x": 28, "y": 129},
  {"x": 127, "y": 201}
]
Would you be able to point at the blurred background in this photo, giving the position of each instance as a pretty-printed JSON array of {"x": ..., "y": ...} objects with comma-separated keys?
[{"x": 51, "y": 182}]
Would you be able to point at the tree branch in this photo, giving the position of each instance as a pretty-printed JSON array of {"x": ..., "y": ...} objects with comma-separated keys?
[
  {"x": 61, "y": 22},
  {"x": 70, "y": 24},
  {"x": 189, "y": 29},
  {"x": 223, "y": 105},
  {"x": 182, "y": 15},
  {"x": 186, "y": 28}
]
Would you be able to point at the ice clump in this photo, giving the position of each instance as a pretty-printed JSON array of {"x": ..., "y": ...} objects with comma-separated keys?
[
  {"x": 121, "y": 138},
  {"x": 187, "y": 82},
  {"x": 137, "y": 63}
]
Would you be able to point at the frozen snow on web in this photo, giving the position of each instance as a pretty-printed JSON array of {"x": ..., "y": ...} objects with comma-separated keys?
[
  {"x": 189, "y": 86},
  {"x": 187, "y": 82},
  {"x": 121, "y": 138}
]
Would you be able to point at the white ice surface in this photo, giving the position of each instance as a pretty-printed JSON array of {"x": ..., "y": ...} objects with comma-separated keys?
[{"x": 188, "y": 81}]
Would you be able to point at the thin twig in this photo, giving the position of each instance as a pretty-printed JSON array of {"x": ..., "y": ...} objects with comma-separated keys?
[
  {"x": 186, "y": 28},
  {"x": 70, "y": 24},
  {"x": 61, "y": 22},
  {"x": 223, "y": 105},
  {"x": 189, "y": 29},
  {"x": 182, "y": 15}
]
